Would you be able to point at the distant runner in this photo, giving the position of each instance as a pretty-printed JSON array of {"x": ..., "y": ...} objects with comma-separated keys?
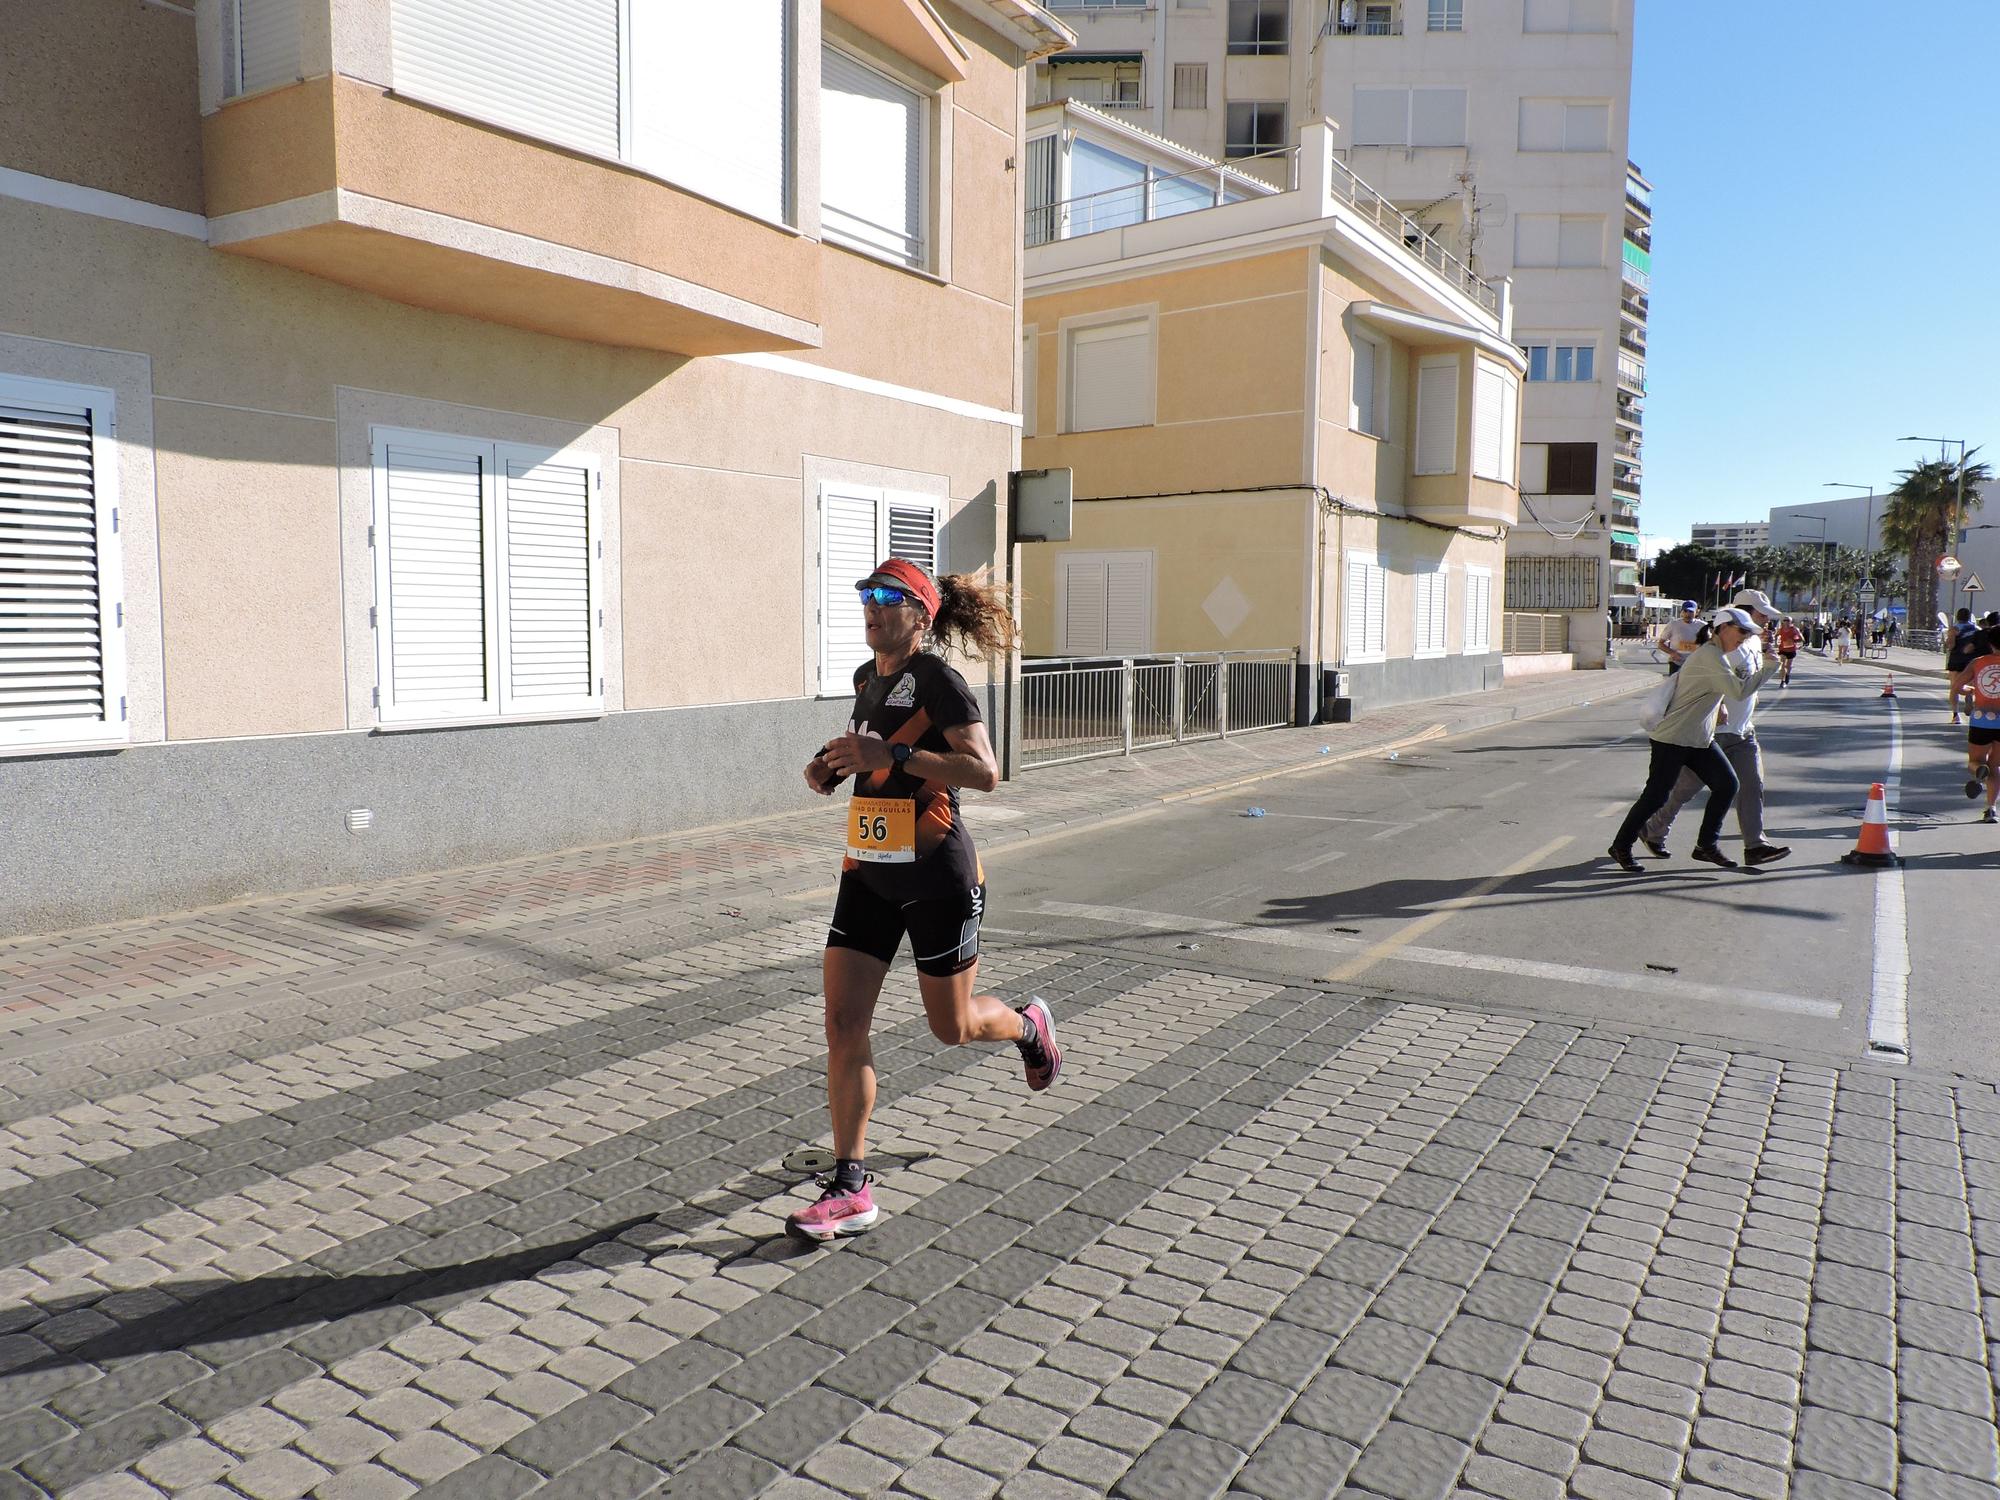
[
  {"x": 1790, "y": 638},
  {"x": 1977, "y": 683},
  {"x": 915, "y": 737}
]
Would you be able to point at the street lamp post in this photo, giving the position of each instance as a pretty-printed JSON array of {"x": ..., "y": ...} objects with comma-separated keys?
[
  {"x": 1867, "y": 530},
  {"x": 1957, "y": 504},
  {"x": 1819, "y": 588}
]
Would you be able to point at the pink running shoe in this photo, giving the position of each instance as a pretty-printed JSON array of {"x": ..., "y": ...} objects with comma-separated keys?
[
  {"x": 837, "y": 1213},
  {"x": 1043, "y": 1061}
]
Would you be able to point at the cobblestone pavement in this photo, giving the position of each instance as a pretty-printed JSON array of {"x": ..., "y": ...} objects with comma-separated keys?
[{"x": 483, "y": 1200}]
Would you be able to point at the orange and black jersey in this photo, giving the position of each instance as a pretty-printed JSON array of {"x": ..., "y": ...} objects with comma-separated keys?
[{"x": 914, "y": 706}]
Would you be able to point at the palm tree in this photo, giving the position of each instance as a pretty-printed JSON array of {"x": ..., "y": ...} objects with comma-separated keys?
[
  {"x": 1918, "y": 523},
  {"x": 1797, "y": 569}
]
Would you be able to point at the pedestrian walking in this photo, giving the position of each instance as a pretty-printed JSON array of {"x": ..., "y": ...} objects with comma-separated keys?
[
  {"x": 1736, "y": 738},
  {"x": 914, "y": 739},
  {"x": 1686, "y": 738},
  {"x": 1959, "y": 649},
  {"x": 1840, "y": 641},
  {"x": 1683, "y": 636},
  {"x": 1977, "y": 684},
  {"x": 1790, "y": 638}
]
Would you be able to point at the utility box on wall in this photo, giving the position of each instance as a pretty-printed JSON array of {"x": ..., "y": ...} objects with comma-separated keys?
[{"x": 1038, "y": 504}]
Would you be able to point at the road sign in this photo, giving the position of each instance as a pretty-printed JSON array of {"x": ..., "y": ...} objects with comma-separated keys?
[
  {"x": 1972, "y": 585},
  {"x": 1866, "y": 593}
]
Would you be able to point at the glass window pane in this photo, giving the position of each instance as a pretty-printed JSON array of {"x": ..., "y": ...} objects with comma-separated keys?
[
  {"x": 1564, "y": 354},
  {"x": 1586, "y": 361}
]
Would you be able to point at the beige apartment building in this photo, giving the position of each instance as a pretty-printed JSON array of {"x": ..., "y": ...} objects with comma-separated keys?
[
  {"x": 1292, "y": 421},
  {"x": 1501, "y": 128},
  {"x": 426, "y": 437}
]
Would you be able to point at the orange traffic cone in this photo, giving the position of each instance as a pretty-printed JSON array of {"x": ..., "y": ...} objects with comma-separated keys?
[
  {"x": 1873, "y": 846},
  {"x": 1889, "y": 686}
]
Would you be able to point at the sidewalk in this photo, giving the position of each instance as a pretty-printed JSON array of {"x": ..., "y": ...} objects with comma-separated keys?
[{"x": 469, "y": 1186}]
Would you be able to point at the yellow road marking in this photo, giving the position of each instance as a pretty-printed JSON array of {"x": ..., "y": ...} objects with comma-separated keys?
[{"x": 1409, "y": 932}]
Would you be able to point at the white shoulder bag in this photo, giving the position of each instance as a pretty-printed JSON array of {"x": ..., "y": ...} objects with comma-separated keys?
[{"x": 1659, "y": 698}]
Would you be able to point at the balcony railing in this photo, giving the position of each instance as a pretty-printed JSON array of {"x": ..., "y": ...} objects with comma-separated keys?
[
  {"x": 1635, "y": 308},
  {"x": 1633, "y": 276},
  {"x": 1631, "y": 375},
  {"x": 1351, "y": 190},
  {"x": 1627, "y": 451},
  {"x": 1371, "y": 26},
  {"x": 1635, "y": 345},
  {"x": 1131, "y": 202}
]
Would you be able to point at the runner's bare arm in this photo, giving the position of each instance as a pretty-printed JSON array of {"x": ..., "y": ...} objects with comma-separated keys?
[{"x": 969, "y": 763}]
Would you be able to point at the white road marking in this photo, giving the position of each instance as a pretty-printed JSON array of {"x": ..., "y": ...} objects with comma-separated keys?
[
  {"x": 1889, "y": 996},
  {"x": 1561, "y": 765},
  {"x": 1527, "y": 968},
  {"x": 1317, "y": 860},
  {"x": 1611, "y": 807},
  {"x": 1336, "y": 818},
  {"x": 1501, "y": 791},
  {"x": 1429, "y": 817}
]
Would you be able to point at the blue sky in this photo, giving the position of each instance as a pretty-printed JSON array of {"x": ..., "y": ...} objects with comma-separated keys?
[{"x": 1826, "y": 246}]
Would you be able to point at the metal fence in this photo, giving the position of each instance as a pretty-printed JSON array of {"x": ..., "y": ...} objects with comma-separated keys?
[
  {"x": 1533, "y": 635},
  {"x": 1077, "y": 708}
]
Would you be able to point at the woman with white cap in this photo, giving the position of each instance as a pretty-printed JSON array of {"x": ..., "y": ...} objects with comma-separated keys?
[
  {"x": 915, "y": 737},
  {"x": 1685, "y": 739}
]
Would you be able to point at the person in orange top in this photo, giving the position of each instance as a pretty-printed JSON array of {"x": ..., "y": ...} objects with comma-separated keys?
[{"x": 1790, "y": 638}]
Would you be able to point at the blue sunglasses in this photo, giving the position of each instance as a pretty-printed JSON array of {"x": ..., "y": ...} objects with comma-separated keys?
[{"x": 877, "y": 594}]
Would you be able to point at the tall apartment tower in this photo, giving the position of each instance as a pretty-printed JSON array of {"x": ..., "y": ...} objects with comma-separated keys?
[{"x": 1500, "y": 126}]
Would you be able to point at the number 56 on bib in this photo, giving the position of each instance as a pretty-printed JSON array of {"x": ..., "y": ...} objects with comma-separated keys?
[{"x": 882, "y": 830}]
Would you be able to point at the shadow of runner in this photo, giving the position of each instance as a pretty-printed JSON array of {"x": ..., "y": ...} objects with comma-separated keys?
[{"x": 220, "y": 1311}]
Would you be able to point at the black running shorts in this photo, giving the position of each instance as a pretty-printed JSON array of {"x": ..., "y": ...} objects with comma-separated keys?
[
  {"x": 944, "y": 931},
  {"x": 1976, "y": 735}
]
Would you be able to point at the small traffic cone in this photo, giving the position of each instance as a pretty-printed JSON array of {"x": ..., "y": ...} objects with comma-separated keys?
[
  {"x": 1873, "y": 846},
  {"x": 1889, "y": 685}
]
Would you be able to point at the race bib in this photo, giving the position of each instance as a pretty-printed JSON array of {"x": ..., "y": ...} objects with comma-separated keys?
[{"x": 882, "y": 830}]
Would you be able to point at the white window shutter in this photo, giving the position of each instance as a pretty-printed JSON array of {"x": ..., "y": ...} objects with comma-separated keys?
[
  {"x": 1381, "y": 117},
  {"x": 549, "y": 655},
  {"x": 1128, "y": 610},
  {"x": 1478, "y": 611},
  {"x": 1366, "y": 610},
  {"x": 1510, "y": 424},
  {"x": 1361, "y": 407},
  {"x": 721, "y": 131},
  {"x": 872, "y": 160},
  {"x": 1582, "y": 241},
  {"x": 1432, "y": 593},
  {"x": 1541, "y": 125},
  {"x": 435, "y": 555},
  {"x": 848, "y": 553},
  {"x": 61, "y": 641},
  {"x": 1437, "y": 117},
  {"x": 1437, "y": 418},
  {"x": 547, "y": 71},
  {"x": 1537, "y": 239},
  {"x": 1111, "y": 376},
  {"x": 913, "y": 536},
  {"x": 266, "y": 37},
  {"x": 1086, "y": 605},
  {"x": 1489, "y": 403}
]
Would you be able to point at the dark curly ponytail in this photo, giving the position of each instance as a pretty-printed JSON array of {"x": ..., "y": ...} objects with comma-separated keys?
[{"x": 973, "y": 617}]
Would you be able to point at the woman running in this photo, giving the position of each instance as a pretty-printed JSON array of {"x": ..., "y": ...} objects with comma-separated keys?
[
  {"x": 914, "y": 739},
  {"x": 1977, "y": 684}
]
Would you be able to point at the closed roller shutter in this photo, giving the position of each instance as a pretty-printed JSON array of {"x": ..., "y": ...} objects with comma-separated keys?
[
  {"x": 1111, "y": 376},
  {"x": 721, "y": 131},
  {"x": 61, "y": 665},
  {"x": 434, "y": 533},
  {"x": 871, "y": 159},
  {"x": 549, "y": 71},
  {"x": 1437, "y": 418},
  {"x": 1489, "y": 411},
  {"x": 266, "y": 34},
  {"x": 549, "y": 620}
]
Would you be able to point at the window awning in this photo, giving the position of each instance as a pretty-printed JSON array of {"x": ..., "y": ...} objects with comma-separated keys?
[{"x": 1625, "y": 538}]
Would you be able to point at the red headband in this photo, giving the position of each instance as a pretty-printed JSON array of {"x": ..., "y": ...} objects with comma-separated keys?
[{"x": 912, "y": 580}]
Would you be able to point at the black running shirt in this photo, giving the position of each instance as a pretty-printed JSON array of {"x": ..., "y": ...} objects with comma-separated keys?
[{"x": 914, "y": 706}]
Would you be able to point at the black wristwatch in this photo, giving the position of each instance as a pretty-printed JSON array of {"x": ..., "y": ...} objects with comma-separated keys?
[{"x": 900, "y": 754}]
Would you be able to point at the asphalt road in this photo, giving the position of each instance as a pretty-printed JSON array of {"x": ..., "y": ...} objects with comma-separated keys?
[{"x": 1472, "y": 870}]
